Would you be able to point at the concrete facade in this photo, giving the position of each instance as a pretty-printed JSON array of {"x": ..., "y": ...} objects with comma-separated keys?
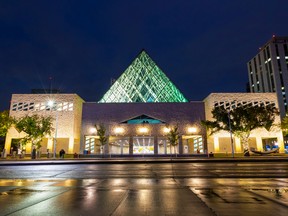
[
  {"x": 66, "y": 112},
  {"x": 268, "y": 71},
  {"x": 221, "y": 142},
  {"x": 115, "y": 117},
  {"x": 76, "y": 122}
]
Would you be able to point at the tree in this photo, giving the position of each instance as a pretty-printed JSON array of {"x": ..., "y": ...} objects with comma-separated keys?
[
  {"x": 5, "y": 122},
  {"x": 101, "y": 131},
  {"x": 35, "y": 127},
  {"x": 284, "y": 125},
  {"x": 243, "y": 120},
  {"x": 173, "y": 137}
]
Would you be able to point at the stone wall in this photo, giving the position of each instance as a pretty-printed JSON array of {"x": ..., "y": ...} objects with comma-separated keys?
[{"x": 66, "y": 111}]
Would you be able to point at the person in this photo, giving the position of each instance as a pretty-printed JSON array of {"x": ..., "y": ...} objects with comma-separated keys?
[
  {"x": 61, "y": 153},
  {"x": 3, "y": 155},
  {"x": 34, "y": 153},
  {"x": 19, "y": 152},
  {"x": 15, "y": 151},
  {"x": 48, "y": 153},
  {"x": 75, "y": 155}
]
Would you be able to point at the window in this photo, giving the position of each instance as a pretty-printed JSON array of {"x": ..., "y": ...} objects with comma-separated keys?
[{"x": 41, "y": 106}]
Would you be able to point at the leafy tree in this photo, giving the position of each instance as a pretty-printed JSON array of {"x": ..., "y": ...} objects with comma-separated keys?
[
  {"x": 35, "y": 127},
  {"x": 284, "y": 125},
  {"x": 5, "y": 122},
  {"x": 173, "y": 137},
  {"x": 101, "y": 131},
  {"x": 243, "y": 120}
]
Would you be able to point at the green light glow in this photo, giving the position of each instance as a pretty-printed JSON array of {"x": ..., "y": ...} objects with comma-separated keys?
[{"x": 143, "y": 81}]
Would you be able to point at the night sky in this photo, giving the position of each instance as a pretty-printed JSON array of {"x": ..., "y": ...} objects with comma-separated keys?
[{"x": 202, "y": 46}]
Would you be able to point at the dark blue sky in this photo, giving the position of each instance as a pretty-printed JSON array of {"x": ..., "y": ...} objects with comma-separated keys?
[{"x": 202, "y": 46}]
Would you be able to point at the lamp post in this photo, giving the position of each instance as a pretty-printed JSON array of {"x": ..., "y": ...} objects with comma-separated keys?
[
  {"x": 230, "y": 130},
  {"x": 51, "y": 105}
]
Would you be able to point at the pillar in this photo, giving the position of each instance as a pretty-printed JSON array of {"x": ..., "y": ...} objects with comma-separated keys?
[
  {"x": 131, "y": 145},
  {"x": 281, "y": 144},
  {"x": 50, "y": 145},
  {"x": 180, "y": 145},
  {"x": 259, "y": 143},
  {"x": 8, "y": 141},
  {"x": 155, "y": 145},
  {"x": 71, "y": 145},
  {"x": 216, "y": 144},
  {"x": 238, "y": 146}
]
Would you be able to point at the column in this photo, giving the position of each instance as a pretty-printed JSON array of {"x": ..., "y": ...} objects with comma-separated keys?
[
  {"x": 238, "y": 146},
  {"x": 180, "y": 145},
  {"x": 216, "y": 145},
  {"x": 7, "y": 145},
  {"x": 281, "y": 144},
  {"x": 259, "y": 143},
  {"x": 71, "y": 145},
  {"x": 106, "y": 147},
  {"x": 131, "y": 145},
  {"x": 155, "y": 145},
  {"x": 50, "y": 145}
]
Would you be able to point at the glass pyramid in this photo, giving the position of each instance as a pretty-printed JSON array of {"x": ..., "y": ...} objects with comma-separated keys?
[{"x": 143, "y": 81}]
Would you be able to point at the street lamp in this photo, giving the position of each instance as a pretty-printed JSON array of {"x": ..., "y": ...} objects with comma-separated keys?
[
  {"x": 143, "y": 130},
  {"x": 52, "y": 104},
  {"x": 230, "y": 130},
  {"x": 192, "y": 130},
  {"x": 166, "y": 130},
  {"x": 118, "y": 130},
  {"x": 93, "y": 130}
]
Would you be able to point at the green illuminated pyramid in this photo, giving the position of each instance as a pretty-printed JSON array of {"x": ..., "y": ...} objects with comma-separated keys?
[{"x": 143, "y": 81}]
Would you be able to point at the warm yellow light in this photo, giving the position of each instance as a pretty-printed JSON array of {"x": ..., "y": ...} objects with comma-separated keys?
[
  {"x": 143, "y": 130},
  {"x": 93, "y": 130},
  {"x": 118, "y": 130},
  {"x": 192, "y": 130},
  {"x": 50, "y": 103},
  {"x": 166, "y": 130}
]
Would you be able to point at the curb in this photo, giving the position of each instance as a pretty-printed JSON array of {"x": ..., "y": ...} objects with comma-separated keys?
[{"x": 26, "y": 162}]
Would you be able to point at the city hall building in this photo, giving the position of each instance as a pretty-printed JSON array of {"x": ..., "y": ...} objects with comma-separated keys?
[{"x": 137, "y": 113}]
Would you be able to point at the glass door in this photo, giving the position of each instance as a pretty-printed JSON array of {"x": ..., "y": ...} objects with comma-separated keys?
[{"x": 143, "y": 145}]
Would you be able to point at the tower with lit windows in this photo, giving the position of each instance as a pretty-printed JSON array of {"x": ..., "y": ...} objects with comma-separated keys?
[{"x": 268, "y": 71}]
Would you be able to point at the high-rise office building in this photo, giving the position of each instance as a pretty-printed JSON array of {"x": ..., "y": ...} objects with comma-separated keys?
[{"x": 268, "y": 71}]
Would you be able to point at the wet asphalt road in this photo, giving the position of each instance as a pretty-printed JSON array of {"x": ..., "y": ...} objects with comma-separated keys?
[{"x": 254, "y": 188}]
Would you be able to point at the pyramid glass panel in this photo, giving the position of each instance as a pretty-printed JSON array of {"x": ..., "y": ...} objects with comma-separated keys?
[{"x": 143, "y": 81}]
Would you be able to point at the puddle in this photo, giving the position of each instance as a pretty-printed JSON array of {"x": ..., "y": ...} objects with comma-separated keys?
[
  {"x": 20, "y": 191},
  {"x": 278, "y": 192}
]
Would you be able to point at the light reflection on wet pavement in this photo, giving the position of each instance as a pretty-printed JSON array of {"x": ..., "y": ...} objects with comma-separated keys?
[{"x": 138, "y": 195}]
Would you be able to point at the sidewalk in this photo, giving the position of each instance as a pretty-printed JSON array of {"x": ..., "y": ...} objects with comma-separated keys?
[{"x": 146, "y": 159}]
